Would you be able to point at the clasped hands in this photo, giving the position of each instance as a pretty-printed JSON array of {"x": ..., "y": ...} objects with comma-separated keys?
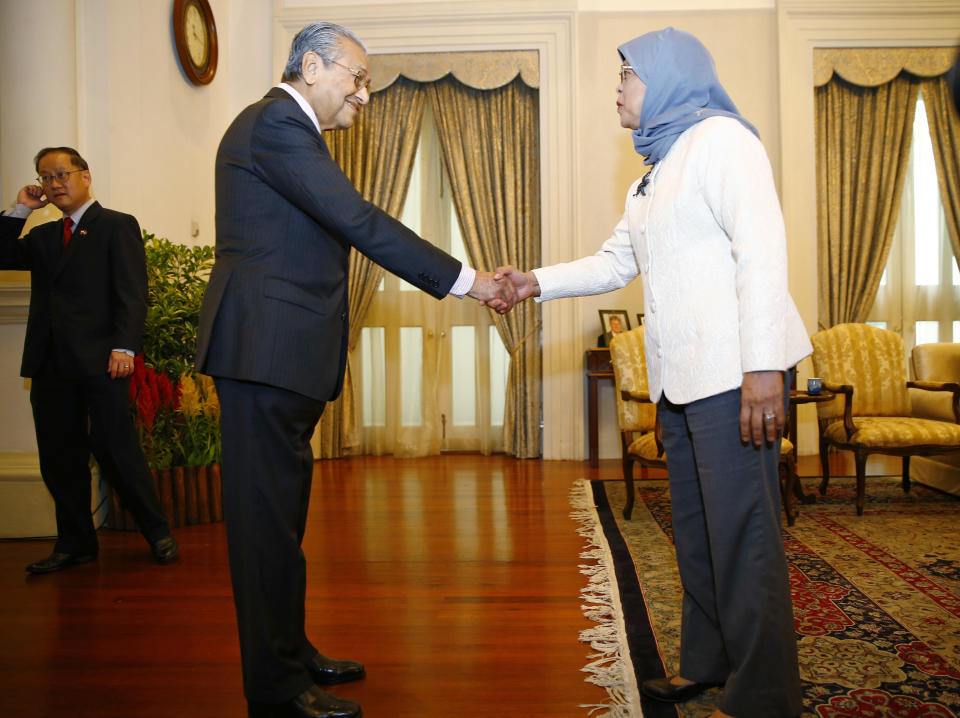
[{"x": 504, "y": 288}]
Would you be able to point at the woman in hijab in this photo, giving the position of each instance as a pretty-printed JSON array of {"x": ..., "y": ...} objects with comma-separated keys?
[{"x": 703, "y": 228}]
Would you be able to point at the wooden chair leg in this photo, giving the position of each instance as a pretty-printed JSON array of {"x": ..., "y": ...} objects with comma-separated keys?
[
  {"x": 788, "y": 482},
  {"x": 861, "y": 461},
  {"x": 824, "y": 468},
  {"x": 627, "y": 461},
  {"x": 628, "y": 485},
  {"x": 906, "y": 473}
]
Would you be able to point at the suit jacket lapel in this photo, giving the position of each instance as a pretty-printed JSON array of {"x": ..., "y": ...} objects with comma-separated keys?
[{"x": 76, "y": 240}]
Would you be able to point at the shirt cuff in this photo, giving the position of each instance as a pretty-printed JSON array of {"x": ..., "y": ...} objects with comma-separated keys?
[
  {"x": 464, "y": 283},
  {"x": 19, "y": 211},
  {"x": 125, "y": 351}
]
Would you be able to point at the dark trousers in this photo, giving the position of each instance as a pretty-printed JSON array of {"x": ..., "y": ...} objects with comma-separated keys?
[
  {"x": 74, "y": 417},
  {"x": 267, "y": 471},
  {"x": 737, "y": 624}
]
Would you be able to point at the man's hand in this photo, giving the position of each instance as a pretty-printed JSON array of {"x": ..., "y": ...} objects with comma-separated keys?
[
  {"x": 31, "y": 196},
  {"x": 119, "y": 365},
  {"x": 760, "y": 397},
  {"x": 500, "y": 295},
  {"x": 525, "y": 283}
]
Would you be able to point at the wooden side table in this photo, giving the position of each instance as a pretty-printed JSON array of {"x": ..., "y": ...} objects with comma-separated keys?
[
  {"x": 797, "y": 397},
  {"x": 597, "y": 366}
]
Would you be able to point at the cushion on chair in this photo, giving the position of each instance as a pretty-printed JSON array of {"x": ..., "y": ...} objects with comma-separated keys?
[
  {"x": 895, "y": 431},
  {"x": 646, "y": 448},
  {"x": 786, "y": 446},
  {"x": 939, "y": 361},
  {"x": 872, "y": 360}
]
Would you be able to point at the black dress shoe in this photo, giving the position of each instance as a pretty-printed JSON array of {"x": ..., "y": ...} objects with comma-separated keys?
[
  {"x": 312, "y": 703},
  {"x": 327, "y": 671},
  {"x": 165, "y": 550},
  {"x": 662, "y": 689},
  {"x": 58, "y": 561}
]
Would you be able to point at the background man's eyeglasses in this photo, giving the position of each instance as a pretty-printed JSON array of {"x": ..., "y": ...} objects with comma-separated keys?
[
  {"x": 60, "y": 177},
  {"x": 360, "y": 77}
]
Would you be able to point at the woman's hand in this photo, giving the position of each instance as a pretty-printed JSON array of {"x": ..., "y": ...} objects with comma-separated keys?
[{"x": 761, "y": 406}]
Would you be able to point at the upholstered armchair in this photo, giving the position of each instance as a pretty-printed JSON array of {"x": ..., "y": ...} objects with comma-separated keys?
[
  {"x": 866, "y": 367},
  {"x": 636, "y": 415}
]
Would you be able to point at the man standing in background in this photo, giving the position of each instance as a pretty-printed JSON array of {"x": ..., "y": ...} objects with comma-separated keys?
[{"x": 88, "y": 303}]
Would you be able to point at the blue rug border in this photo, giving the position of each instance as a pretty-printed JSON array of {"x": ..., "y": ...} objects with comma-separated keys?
[{"x": 639, "y": 633}]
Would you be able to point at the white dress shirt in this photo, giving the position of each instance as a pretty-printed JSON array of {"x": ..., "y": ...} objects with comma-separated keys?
[{"x": 709, "y": 242}]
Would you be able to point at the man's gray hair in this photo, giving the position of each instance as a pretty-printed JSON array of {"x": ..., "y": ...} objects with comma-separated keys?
[{"x": 322, "y": 38}]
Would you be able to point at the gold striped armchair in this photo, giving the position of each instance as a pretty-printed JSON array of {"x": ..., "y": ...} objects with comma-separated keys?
[
  {"x": 867, "y": 368},
  {"x": 636, "y": 415}
]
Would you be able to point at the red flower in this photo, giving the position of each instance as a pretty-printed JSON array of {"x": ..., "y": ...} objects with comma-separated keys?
[
  {"x": 146, "y": 410},
  {"x": 164, "y": 391}
]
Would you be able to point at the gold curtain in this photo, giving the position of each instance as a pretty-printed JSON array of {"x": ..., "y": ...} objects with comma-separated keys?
[
  {"x": 863, "y": 137},
  {"x": 490, "y": 143},
  {"x": 945, "y": 135},
  {"x": 377, "y": 155}
]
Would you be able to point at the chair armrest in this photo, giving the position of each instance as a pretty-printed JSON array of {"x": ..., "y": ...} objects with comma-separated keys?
[
  {"x": 658, "y": 435},
  {"x": 950, "y": 386},
  {"x": 847, "y": 392},
  {"x": 641, "y": 396}
]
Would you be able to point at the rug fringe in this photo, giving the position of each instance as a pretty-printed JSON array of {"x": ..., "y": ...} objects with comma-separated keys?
[{"x": 609, "y": 666}]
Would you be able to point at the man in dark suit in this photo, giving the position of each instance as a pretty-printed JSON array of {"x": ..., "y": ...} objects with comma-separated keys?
[
  {"x": 273, "y": 334},
  {"x": 88, "y": 302}
]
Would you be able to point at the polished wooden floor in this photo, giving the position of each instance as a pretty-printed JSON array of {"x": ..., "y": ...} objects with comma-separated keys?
[{"x": 453, "y": 578}]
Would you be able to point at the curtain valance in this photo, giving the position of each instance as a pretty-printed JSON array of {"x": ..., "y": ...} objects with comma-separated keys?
[
  {"x": 873, "y": 66},
  {"x": 495, "y": 69}
]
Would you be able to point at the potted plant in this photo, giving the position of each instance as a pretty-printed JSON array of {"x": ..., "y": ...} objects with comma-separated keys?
[{"x": 176, "y": 410}]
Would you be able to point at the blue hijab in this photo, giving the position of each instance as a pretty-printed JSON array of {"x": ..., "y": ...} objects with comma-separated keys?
[{"x": 682, "y": 89}]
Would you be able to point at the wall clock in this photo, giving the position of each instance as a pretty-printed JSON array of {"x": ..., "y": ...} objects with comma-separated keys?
[{"x": 195, "y": 34}]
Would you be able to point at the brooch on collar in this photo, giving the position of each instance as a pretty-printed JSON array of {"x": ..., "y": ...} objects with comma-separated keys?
[{"x": 642, "y": 187}]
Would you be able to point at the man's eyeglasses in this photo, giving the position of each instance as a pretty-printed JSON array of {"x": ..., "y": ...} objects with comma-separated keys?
[
  {"x": 60, "y": 177},
  {"x": 360, "y": 77},
  {"x": 624, "y": 69}
]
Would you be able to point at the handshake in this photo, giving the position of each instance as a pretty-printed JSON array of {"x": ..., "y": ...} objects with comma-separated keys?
[{"x": 504, "y": 288}]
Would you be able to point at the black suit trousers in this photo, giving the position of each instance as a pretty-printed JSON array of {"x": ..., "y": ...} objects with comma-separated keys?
[
  {"x": 267, "y": 473},
  {"x": 74, "y": 417}
]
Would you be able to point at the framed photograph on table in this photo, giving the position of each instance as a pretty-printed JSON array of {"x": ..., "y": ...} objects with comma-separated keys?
[{"x": 613, "y": 321}]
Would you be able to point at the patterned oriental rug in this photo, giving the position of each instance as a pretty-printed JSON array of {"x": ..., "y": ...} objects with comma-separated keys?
[{"x": 876, "y": 600}]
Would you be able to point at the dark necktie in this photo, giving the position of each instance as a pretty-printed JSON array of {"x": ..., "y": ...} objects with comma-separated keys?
[{"x": 67, "y": 230}]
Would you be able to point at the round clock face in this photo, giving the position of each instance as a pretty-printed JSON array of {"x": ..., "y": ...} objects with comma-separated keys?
[{"x": 196, "y": 36}]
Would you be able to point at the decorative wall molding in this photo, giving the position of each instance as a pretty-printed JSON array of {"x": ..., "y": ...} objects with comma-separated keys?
[{"x": 499, "y": 25}]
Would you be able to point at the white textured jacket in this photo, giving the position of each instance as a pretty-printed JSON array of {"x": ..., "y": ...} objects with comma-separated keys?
[{"x": 709, "y": 241}]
